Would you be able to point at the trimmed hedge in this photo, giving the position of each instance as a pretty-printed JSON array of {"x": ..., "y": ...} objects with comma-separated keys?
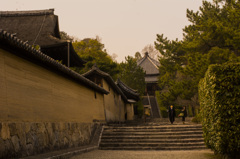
[{"x": 219, "y": 96}]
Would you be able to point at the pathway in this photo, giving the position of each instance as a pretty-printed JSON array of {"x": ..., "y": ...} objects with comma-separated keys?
[{"x": 113, "y": 154}]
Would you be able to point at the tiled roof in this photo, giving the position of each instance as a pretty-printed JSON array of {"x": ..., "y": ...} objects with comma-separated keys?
[
  {"x": 39, "y": 27},
  {"x": 27, "y": 13},
  {"x": 22, "y": 49},
  {"x": 129, "y": 92},
  {"x": 149, "y": 65},
  {"x": 107, "y": 77}
]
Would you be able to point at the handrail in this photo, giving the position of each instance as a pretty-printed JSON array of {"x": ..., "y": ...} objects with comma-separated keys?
[
  {"x": 100, "y": 137},
  {"x": 150, "y": 105},
  {"x": 159, "y": 111}
]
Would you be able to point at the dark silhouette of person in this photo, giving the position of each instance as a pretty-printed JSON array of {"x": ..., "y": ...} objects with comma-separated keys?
[
  {"x": 184, "y": 111},
  {"x": 171, "y": 114}
]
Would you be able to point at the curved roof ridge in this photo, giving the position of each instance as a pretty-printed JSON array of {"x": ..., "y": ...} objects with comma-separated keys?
[
  {"x": 146, "y": 56},
  {"x": 12, "y": 40},
  {"x": 129, "y": 92},
  {"x": 107, "y": 78},
  {"x": 95, "y": 68},
  {"x": 139, "y": 62},
  {"x": 152, "y": 62},
  {"x": 126, "y": 86},
  {"x": 26, "y": 13}
]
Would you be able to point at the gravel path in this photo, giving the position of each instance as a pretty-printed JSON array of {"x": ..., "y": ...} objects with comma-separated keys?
[{"x": 105, "y": 154}]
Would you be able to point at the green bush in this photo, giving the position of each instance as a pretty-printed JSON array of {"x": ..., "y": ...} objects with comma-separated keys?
[
  {"x": 177, "y": 111},
  {"x": 190, "y": 113},
  {"x": 139, "y": 108},
  {"x": 197, "y": 119},
  {"x": 162, "y": 104},
  {"x": 164, "y": 112},
  {"x": 219, "y": 96}
]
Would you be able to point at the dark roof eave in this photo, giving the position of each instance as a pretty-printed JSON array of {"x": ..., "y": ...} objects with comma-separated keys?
[
  {"x": 127, "y": 88},
  {"x": 108, "y": 78},
  {"x": 29, "y": 51},
  {"x": 26, "y": 13},
  {"x": 78, "y": 61}
]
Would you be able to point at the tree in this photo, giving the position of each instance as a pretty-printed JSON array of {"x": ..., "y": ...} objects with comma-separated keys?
[
  {"x": 152, "y": 52},
  {"x": 114, "y": 57},
  {"x": 65, "y": 36},
  {"x": 211, "y": 38},
  {"x": 138, "y": 56},
  {"x": 92, "y": 51},
  {"x": 132, "y": 75}
]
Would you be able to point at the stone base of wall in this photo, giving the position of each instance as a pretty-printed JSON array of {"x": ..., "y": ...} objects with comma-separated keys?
[{"x": 25, "y": 139}]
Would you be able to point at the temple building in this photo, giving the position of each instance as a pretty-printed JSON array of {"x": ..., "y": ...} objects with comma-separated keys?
[
  {"x": 40, "y": 28},
  {"x": 150, "y": 66}
]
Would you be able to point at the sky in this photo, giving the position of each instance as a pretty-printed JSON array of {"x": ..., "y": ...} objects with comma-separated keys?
[{"x": 124, "y": 26}]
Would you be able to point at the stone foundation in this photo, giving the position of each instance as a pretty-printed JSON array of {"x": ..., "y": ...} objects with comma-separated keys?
[{"x": 25, "y": 139}]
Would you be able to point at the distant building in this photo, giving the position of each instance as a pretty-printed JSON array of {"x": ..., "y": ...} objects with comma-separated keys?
[
  {"x": 40, "y": 28},
  {"x": 150, "y": 66}
]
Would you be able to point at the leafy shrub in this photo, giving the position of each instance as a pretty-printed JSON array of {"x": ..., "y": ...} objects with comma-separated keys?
[
  {"x": 139, "y": 108},
  {"x": 177, "y": 111},
  {"x": 162, "y": 105},
  {"x": 164, "y": 112},
  {"x": 219, "y": 96},
  {"x": 190, "y": 112},
  {"x": 197, "y": 119}
]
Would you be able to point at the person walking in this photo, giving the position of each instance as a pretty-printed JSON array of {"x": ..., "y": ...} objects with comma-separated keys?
[
  {"x": 183, "y": 114},
  {"x": 171, "y": 114}
]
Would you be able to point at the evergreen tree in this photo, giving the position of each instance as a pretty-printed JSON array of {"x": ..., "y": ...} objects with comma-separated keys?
[
  {"x": 212, "y": 37},
  {"x": 132, "y": 75}
]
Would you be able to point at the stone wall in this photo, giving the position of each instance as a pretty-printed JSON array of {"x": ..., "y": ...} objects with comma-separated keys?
[
  {"x": 41, "y": 110},
  {"x": 24, "y": 139}
]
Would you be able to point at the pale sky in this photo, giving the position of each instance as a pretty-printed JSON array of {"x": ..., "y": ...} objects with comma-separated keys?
[{"x": 125, "y": 26}]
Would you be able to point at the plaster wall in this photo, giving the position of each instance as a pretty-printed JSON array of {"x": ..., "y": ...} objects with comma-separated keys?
[
  {"x": 111, "y": 103},
  {"x": 31, "y": 93},
  {"x": 130, "y": 111},
  {"x": 41, "y": 110}
]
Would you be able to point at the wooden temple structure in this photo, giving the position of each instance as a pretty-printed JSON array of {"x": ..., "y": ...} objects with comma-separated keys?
[
  {"x": 150, "y": 66},
  {"x": 40, "y": 28}
]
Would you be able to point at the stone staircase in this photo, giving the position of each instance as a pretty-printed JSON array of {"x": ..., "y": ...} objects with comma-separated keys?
[
  {"x": 152, "y": 137},
  {"x": 155, "y": 109},
  {"x": 151, "y": 100}
]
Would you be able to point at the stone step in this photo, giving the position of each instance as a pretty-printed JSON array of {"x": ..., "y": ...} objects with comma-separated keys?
[
  {"x": 152, "y": 137},
  {"x": 177, "y": 140},
  {"x": 150, "y": 144},
  {"x": 154, "y": 148},
  {"x": 152, "y": 133},
  {"x": 153, "y": 130},
  {"x": 154, "y": 107},
  {"x": 153, "y": 127}
]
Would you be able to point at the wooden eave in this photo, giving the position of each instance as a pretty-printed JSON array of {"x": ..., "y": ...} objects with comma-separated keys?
[{"x": 22, "y": 49}]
